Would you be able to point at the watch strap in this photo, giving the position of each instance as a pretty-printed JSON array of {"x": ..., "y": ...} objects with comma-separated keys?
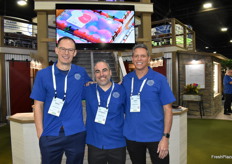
[{"x": 167, "y": 135}]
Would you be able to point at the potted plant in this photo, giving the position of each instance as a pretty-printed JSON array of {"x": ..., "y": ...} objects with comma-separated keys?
[{"x": 191, "y": 92}]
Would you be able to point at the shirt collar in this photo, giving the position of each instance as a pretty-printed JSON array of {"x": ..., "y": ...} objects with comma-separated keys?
[
  {"x": 133, "y": 74},
  {"x": 58, "y": 71}
]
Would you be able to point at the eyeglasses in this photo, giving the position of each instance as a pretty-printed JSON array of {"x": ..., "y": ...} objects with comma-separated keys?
[{"x": 63, "y": 50}]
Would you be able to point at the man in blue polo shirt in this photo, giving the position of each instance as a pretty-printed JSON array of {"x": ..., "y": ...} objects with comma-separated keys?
[
  {"x": 227, "y": 82},
  {"x": 58, "y": 109},
  {"x": 105, "y": 103},
  {"x": 148, "y": 118}
]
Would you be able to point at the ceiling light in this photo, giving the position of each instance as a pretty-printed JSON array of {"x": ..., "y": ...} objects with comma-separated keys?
[
  {"x": 224, "y": 29},
  {"x": 194, "y": 61},
  {"x": 231, "y": 41},
  {"x": 206, "y": 47},
  {"x": 207, "y": 5},
  {"x": 22, "y": 2},
  {"x": 215, "y": 52}
]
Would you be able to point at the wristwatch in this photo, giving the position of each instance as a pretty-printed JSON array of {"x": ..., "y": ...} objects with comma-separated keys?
[{"x": 167, "y": 135}]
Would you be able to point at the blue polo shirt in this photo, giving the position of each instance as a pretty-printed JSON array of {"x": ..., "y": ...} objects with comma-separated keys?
[
  {"x": 148, "y": 124},
  {"x": 109, "y": 135},
  {"x": 227, "y": 86},
  {"x": 71, "y": 115}
]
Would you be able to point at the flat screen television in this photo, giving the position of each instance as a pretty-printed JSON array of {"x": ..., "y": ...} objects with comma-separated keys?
[{"x": 97, "y": 27}]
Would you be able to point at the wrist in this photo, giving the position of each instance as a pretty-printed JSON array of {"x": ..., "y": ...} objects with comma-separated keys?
[{"x": 166, "y": 135}]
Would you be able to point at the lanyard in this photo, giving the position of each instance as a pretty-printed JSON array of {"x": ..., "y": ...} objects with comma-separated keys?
[
  {"x": 141, "y": 87},
  {"x": 54, "y": 81},
  {"x": 108, "y": 100}
]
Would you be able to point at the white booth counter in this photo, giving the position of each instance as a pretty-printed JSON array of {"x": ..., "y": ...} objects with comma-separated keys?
[
  {"x": 178, "y": 137},
  {"x": 24, "y": 141},
  {"x": 25, "y": 144}
]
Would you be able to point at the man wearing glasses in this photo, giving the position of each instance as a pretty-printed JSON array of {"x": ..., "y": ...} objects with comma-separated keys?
[{"x": 58, "y": 109}]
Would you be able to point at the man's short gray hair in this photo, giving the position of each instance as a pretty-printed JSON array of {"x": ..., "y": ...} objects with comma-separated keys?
[
  {"x": 103, "y": 61},
  {"x": 140, "y": 46}
]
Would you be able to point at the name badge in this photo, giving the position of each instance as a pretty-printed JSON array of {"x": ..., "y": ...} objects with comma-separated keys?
[
  {"x": 101, "y": 115},
  {"x": 56, "y": 106},
  {"x": 135, "y": 103}
]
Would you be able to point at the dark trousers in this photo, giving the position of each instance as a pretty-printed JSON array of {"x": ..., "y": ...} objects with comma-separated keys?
[
  {"x": 104, "y": 156},
  {"x": 137, "y": 152},
  {"x": 227, "y": 103},
  {"x": 53, "y": 147}
]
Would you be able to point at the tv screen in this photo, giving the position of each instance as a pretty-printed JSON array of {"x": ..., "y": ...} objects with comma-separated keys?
[{"x": 96, "y": 26}]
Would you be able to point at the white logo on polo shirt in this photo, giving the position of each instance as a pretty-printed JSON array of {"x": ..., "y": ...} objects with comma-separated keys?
[
  {"x": 116, "y": 95},
  {"x": 150, "y": 82},
  {"x": 77, "y": 76}
]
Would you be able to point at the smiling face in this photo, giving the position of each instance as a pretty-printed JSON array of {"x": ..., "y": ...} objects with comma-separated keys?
[
  {"x": 140, "y": 59},
  {"x": 102, "y": 74},
  {"x": 65, "y": 51}
]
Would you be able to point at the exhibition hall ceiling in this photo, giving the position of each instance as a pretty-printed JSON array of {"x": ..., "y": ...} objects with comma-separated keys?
[{"x": 206, "y": 24}]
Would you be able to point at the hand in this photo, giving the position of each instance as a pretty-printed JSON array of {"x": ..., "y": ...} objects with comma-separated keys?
[
  {"x": 120, "y": 82},
  {"x": 163, "y": 148},
  {"x": 39, "y": 133},
  {"x": 90, "y": 82}
]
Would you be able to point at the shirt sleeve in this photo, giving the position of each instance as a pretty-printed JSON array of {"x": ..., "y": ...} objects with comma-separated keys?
[
  {"x": 226, "y": 80},
  {"x": 166, "y": 95},
  {"x": 86, "y": 77},
  {"x": 38, "y": 90}
]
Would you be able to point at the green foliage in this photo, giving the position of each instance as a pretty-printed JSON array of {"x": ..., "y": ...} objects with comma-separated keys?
[
  {"x": 226, "y": 64},
  {"x": 191, "y": 88}
]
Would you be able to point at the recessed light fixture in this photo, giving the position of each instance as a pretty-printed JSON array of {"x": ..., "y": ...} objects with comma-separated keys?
[
  {"x": 194, "y": 62},
  {"x": 215, "y": 52},
  {"x": 22, "y": 2},
  {"x": 231, "y": 41},
  {"x": 224, "y": 29},
  {"x": 207, "y": 5},
  {"x": 206, "y": 47}
]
